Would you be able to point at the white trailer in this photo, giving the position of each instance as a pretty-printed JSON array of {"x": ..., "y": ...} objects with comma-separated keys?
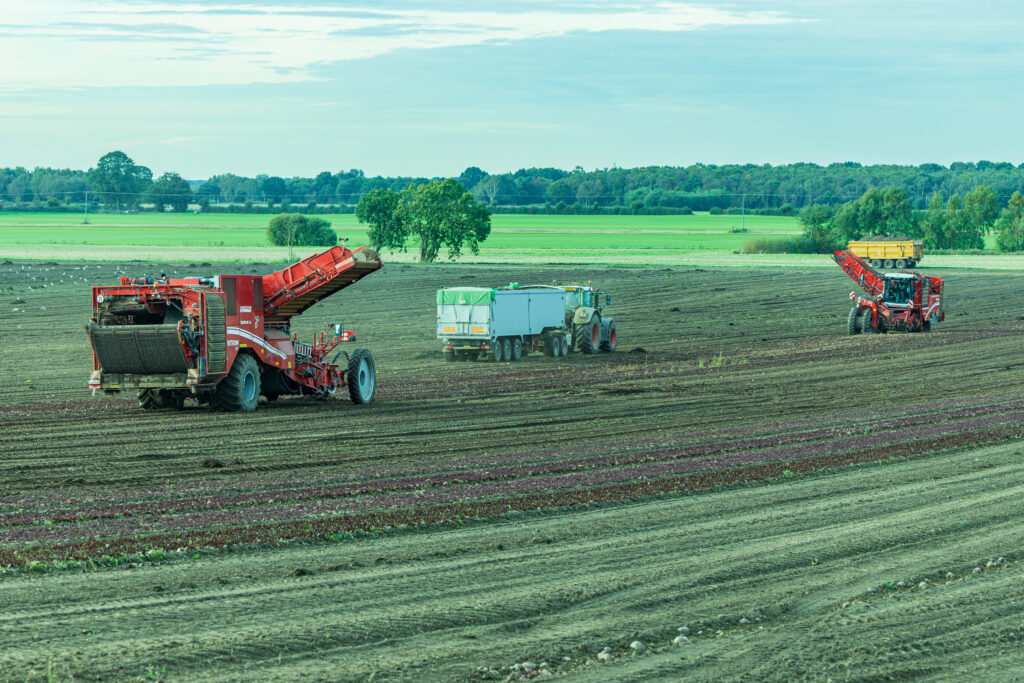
[{"x": 503, "y": 324}]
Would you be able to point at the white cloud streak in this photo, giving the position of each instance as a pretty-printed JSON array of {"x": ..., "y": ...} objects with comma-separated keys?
[{"x": 62, "y": 44}]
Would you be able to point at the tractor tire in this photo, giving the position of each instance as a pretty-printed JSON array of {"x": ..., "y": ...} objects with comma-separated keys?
[
  {"x": 854, "y": 321},
  {"x": 888, "y": 264},
  {"x": 901, "y": 264},
  {"x": 517, "y": 350},
  {"x": 240, "y": 390},
  {"x": 866, "y": 326},
  {"x": 590, "y": 337},
  {"x": 608, "y": 345},
  {"x": 449, "y": 356},
  {"x": 506, "y": 350},
  {"x": 496, "y": 351},
  {"x": 361, "y": 377}
]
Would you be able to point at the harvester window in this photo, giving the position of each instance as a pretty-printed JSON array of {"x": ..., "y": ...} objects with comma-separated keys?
[
  {"x": 257, "y": 294},
  {"x": 229, "y": 286}
]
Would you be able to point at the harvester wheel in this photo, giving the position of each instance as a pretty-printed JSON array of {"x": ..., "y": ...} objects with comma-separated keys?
[
  {"x": 590, "y": 337},
  {"x": 901, "y": 264},
  {"x": 506, "y": 350},
  {"x": 866, "y": 326},
  {"x": 496, "y": 354},
  {"x": 449, "y": 356},
  {"x": 160, "y": 399},
  {"x": 608, "y": 344},
  {"x": 888, "y": 263},
  {"x": 361, "y": 377},
  {"x": 926, "y": 326},
  {"x": 854, "y": 321},
  {"x": 240, "y": 390},
  {"x": 517, "y": 350}
]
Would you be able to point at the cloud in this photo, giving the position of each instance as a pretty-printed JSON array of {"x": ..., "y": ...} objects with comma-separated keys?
[{"x": 55, "y": 44}]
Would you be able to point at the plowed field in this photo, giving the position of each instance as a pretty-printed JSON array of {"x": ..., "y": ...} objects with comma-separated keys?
[{"x": 739, "y": 467}]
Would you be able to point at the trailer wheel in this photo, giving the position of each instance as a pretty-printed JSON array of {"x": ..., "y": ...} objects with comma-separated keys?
[
  {"x": 888, "y": 263},
  {"x": 608, "y": 345},
  {"x": 854, "y": 321},
  {"x": 876, "y": 263},
  {"x": 590, "y": 337},
  {"x": 240, "y": 390},
  {"x": 361, "y": 377},
  {"x": 496, "y": 354},
  {"x": 449, "y": 356},
  {"x": 517, "y": 350},
  {"x": 911, "y": 263},
  {"x": 551, "y": 346},
  {"x": 506, "y": 350},
  {"x": 563, "y": 346},
  {"x": 901, "y": 264}
]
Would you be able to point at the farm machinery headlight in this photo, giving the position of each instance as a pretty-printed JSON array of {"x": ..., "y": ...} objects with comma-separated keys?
[{"x": 99, "y": 298}]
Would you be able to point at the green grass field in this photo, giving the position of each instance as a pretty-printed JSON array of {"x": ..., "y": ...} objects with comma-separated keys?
[{"x": 698, "y": 240}]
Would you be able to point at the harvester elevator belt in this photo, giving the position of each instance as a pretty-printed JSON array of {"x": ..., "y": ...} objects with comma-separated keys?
[{"x": 138, "y": 349}]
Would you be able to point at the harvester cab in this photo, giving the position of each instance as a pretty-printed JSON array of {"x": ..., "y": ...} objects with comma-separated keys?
[{"x": 226, "y": 340}]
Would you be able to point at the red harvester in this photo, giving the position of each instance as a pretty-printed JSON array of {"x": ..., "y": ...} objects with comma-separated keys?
[
  {"x": 905, "y": 302},
  {"x": 226, "y": 339}
]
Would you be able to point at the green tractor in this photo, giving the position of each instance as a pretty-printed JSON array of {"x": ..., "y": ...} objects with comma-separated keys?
[{"x": 592, "y": 330}]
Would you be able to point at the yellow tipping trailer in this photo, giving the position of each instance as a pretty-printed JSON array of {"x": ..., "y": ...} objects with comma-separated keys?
[{"x": 888, "y": 253}]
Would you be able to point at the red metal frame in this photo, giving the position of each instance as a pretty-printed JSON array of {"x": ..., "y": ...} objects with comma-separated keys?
[
  {"x": 911, "y": 314},
  {"x": 257, "y": 324}
]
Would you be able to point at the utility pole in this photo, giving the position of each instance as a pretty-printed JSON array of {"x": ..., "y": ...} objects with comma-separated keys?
[
  {"x": 743, "y": 213},
  {"x": 86, "y": 220}
]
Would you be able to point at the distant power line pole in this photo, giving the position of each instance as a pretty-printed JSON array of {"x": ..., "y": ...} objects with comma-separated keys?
[
  {"x": 86, "y": 220},
  {"x": 743, "y": 213}
]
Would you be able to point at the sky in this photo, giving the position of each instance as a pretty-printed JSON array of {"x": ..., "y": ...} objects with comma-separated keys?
[{"x": 428, "y": 88}]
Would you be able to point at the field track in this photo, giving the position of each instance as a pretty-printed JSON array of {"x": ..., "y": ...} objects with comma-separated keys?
[{"x": 739, "y": 457}]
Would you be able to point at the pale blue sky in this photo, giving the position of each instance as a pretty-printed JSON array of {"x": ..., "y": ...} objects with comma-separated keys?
[{"x": 428, "y": 88}]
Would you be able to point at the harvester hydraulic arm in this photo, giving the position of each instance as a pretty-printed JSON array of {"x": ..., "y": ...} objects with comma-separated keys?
[{"x": 866, "y": 277}]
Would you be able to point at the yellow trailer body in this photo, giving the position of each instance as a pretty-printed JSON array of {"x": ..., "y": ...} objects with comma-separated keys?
[{"x": 889, "y": 253}]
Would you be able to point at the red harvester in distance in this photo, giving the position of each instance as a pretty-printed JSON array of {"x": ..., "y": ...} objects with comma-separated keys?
[
  {"x": 227, "y": 339},
  {"x": 905, "y": 302}
]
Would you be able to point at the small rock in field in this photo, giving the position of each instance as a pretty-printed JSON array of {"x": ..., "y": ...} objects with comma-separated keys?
[
  {"x": 42, "y": 308},
  {"x": 845, "y": 605},
  {"x": 684, "y": 630},
  {"x": 719, "y": 633},
  {"x": 543, "y": 665},
  {"x": 950, "y": 575},
  {"x": 638, "y": 646},
  {"x": 607, "y": 649},
  {"x": 990, "y": 563},
  {"x": 604, "y": 656},
  {"x": 757, "y": 619},
  {"x": 977, "y": 570},
  {"x": 679, "y": 640},
  {"x": 545, "y": 672},
  {"x": 872, "y": 590},
  {"x": 567, "y": 659},
  {"x": 900, "y": 584},
  {"x": 922, "y": 585},
  {"x": 528, "y": 665},
  {"x": 744, "y": 620}
]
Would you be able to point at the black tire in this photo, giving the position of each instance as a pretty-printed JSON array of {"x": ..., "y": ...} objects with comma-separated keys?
[
  {"x": 926, "y": 326},
  {"x": 271, "y": 397},
  {"x": 361, "y": 377},
  {"x": 911, "y": 263},
  {"x": 161, "y": 399},
  {"x": 551, "y": 346},
  {"x": 854, "y": 321},
  {"x": 888, "y": 263},
  {"x": 564, "y": 346},
  {"x": 517, "y": 350},
  {"x": 608, "y": 345},
  {"x": 875, "y": 263},
  {"x": 496, "y": 351},
  {"x": 590, "y": 338},
  {"x": 866, "y": 326},
  {"x": 449, "y": 356},
  {"x": 462, "y": 356},
  {"x": 240, "y": 390},
  {"x": 901, "y": 264},
  {"x": 506, "y": 350}
]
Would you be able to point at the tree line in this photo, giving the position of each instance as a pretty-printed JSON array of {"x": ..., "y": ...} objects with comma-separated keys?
[
  {"x": 956, "y": 223},
  {"x": 118, "y": 183}
]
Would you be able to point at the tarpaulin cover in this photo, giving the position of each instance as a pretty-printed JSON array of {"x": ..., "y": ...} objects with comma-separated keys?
[{"x": 466, "y": 296}]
